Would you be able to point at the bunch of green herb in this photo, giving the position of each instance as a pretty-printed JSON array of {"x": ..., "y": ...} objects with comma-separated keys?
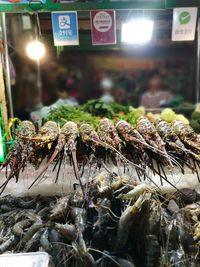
[
  {"x": 101, "y": 109},
  {"x": 195, "y": 121},
  {"x": 69, "y": 113},
  {"x": 126, "y": 117},
  {"x": 131, "y": 115}
]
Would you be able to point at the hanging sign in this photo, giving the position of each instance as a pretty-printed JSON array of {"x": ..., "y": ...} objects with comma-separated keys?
[
  {"x": 184, "y": 24},
  {"x": 65, "y": 28},
  {"x": 103, "y": 27}
]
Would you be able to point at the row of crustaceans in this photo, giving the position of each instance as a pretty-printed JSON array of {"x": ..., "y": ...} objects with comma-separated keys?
[{"x": 168, "y": 145}]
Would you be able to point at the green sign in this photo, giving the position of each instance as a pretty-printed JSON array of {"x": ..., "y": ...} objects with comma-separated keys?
[{"x": 184, "y": 17}]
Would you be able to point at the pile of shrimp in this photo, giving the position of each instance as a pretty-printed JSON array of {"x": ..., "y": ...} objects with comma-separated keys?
[
  {"x": 118, "y": 223},
  {"x": 150, "y": 145}
]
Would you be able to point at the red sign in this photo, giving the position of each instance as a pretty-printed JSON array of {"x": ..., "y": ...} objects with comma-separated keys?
[{"x": 103, "y": 27}]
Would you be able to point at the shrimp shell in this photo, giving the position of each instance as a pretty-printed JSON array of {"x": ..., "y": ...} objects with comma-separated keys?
[
  {"x": 108, "y": 133},
  {"x": 130, "y": 135},
  {"x": 187, "y": 135},
  {"x": 169, "y": 136},
  {"x": 47, "y": 134},
  {"x": 151, "y": 136},
  {"x": 26, "y": 130}
]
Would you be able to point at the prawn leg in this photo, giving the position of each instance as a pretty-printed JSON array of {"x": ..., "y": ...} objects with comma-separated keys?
[{"x": 74, "y": 159}]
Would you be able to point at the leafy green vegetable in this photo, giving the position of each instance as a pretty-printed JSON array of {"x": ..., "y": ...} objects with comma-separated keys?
[
  {"x": 195, "y": 121},
  {"x": 168, "y": 115},
  {"x": 177, "y": 101},
  {"x": 69, "y": 113},
  {"x": 93, "y": 110},
  {"x": 127, "y": 117},
  {"x": 195, "y": 125},
  {"x": 137, "y": 112},
  {"x": 181, "y": 117},
  {"x": 99, "y": 108},
  {"x": 196, "y": 115}
]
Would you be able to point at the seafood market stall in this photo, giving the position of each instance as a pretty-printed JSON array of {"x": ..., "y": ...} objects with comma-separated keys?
[
  {"x": 101, "y": 190},
  {"x": 134, "y": 187}
]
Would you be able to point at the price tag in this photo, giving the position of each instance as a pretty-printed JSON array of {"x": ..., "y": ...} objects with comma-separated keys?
[{"x": 37, "y": 259}]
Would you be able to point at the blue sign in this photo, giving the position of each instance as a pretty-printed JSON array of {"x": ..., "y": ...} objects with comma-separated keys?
[{"x": 65, "y": 28}]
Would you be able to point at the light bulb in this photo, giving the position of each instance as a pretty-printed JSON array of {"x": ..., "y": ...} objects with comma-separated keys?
[
  {"x": 35, "y": 50},
  {"x": 137, "y": 31}
]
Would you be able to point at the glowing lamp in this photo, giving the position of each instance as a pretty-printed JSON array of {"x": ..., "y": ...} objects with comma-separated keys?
[
  {"x": 137, "y": 31},
  {"x": 35, "y": 50}
]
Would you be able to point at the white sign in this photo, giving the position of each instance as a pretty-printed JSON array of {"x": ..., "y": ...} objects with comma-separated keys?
[
  {"x": 33, "y": 259},
  {"x": 184, "y": 24}
]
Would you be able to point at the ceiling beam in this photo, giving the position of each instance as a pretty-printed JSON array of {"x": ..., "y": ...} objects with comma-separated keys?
[{"x": 97, "y": 5}]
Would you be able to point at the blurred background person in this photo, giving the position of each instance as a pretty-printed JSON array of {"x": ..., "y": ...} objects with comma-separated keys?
[
  {"x": 66, "y": 86},
  {"x": 106, "y": 85},
  {"x": 155, "y": 97},
  {"x": 120, "y": 95}
]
